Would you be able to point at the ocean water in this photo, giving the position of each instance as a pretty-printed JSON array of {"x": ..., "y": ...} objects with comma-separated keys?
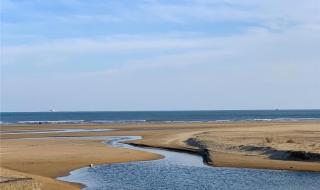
[
  {"x": 157, "y": 116},
  {"x": 185, "y": 172}
]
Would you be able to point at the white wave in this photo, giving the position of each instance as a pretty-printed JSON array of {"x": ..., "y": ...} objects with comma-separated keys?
[
  {"x": 223, "y": 120},
  {"x": 51, "y": 122},
  {"x": 117, "y": 121}
]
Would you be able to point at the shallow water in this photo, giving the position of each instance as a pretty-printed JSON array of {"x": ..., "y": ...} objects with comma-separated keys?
[
  {"x": 185, "y": 171},
  {"x": 56, "y": 131}
]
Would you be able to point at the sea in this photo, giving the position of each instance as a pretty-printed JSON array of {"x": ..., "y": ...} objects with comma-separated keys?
[{"x": 101, "y": 117}]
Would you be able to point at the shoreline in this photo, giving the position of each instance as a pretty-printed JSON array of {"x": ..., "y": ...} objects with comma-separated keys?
[
  {"x": 200, "y": 152},
  {"x": 204, "y": 153},
  {"x": 46, "y": 173},
  {"x": 121, "y": 123},
  {"x": 208, "y": 158},
  {"x": 216, "y": 138}
]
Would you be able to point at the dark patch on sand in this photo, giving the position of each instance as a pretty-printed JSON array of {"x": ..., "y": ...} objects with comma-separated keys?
[{"x": 283, "y": 154}]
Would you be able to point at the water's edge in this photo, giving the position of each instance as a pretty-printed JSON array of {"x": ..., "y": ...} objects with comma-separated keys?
[
  {"x": 124, "y": 142},
  {"x": 182, "y": 169},
  {"x": 203, "y": 152}
]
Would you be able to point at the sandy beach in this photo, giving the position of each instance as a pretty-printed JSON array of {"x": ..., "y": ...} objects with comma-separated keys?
[
  {"x": 160, "y": 94},
  {"x": 40, "y": 157}
]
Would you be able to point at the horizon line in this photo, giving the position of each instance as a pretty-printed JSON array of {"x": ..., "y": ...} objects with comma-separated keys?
[{"x": 178, "y": 110}]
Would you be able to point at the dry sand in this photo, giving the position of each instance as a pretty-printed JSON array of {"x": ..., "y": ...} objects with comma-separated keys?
[
  {"x": 56, "y": 157},
  {"x": 241, "y": 144}
]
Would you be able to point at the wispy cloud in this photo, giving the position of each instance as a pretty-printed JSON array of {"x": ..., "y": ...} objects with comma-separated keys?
[
  {"x": 269, "y": 13},
  {"x": 257, "y": 46},
  {"x": 132, "y": 54}
]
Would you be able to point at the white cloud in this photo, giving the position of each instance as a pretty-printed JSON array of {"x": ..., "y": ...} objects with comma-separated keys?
[
  {"x": 270, "y": 13},
  {"x": 273, "y": 63},
  {"x": 293, "y": 46}
]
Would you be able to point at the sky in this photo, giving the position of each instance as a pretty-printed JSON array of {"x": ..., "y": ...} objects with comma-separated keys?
[{"x": 78, "y": 55}]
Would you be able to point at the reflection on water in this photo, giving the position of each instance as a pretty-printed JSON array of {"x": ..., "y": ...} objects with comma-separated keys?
[
  {"x": 184, "y": 171},
  {"x": 55, "y": 131}
]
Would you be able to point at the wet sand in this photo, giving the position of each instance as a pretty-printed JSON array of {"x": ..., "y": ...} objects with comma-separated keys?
[
  {"x": 51, "y": 158},
  {"x": 226, "y": 144}
]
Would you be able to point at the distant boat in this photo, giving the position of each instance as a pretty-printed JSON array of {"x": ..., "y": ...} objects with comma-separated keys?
[{"x": 52, "y": 110}]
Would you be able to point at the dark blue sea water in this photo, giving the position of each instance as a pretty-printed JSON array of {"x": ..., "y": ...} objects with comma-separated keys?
[{"x": 157, "y": 116}]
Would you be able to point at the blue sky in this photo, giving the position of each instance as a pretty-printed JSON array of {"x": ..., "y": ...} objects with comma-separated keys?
[{"x": 159, "y": 55}]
